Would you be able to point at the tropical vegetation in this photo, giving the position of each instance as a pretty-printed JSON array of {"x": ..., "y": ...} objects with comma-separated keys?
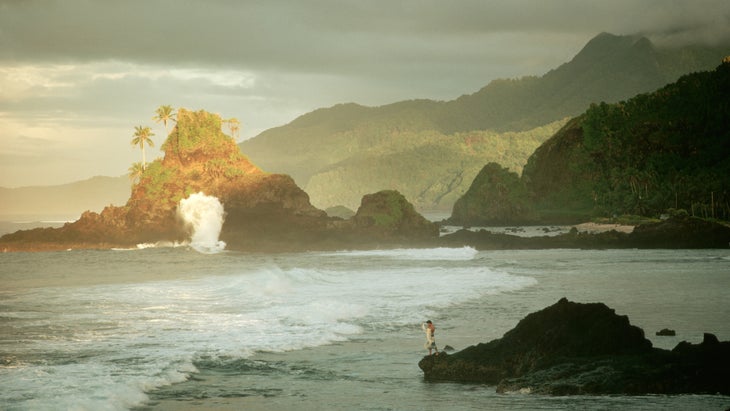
[
  {"x": 234, "y": 126},
  {"x": 198, "y": 156},
  {"x": 142, "y": 136},
  {"x": 164, "y": 114},
  {"x": 654, "y": 154},
  {"x": 429, "y": 168},
  {"x": 196, "y": 135},
  {"x": 431, "y": 150},
  {"x": 496, "y": 196}
]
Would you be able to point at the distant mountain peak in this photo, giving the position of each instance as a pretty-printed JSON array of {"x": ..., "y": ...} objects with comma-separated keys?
[{"x": 610, "y": 46}]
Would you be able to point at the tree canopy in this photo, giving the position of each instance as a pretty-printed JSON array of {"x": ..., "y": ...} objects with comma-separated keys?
[{"x": 651, "y": 154}]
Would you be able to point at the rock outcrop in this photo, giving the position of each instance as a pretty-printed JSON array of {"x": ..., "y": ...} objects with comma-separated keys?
[
  {"x": 264, "y": 212},
  {"x": 269, "y": 212},
  {"x": 572, "y": 348},
  {"x": 495, "y": 197},
  {"x": 388, "y": 214},
  {"x": 680, "y": 232}
]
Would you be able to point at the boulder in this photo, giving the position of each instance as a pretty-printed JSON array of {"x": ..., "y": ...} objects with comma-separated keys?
[{"x": 572, "y": 348}]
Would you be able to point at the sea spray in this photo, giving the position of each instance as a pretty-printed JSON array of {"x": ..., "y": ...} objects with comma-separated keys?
[{"x": 204, "y": 215}]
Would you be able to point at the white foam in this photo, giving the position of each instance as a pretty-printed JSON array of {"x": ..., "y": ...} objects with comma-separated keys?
[
  {"x": 440, "y": 253},
  {"x": 159, "y": 244},
  {"x": 204, "y": 215},
  {"x": 115, "y": 342}
]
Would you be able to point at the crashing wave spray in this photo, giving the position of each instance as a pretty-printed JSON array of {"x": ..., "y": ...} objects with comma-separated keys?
[{"x": 204, "y": 214}]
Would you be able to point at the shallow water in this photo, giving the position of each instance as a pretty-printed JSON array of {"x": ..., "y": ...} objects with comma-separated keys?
[{"x": 173, "y": 329}]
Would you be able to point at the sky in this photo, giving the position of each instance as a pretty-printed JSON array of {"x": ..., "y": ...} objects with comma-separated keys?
[{"x": 76, "y": 76}]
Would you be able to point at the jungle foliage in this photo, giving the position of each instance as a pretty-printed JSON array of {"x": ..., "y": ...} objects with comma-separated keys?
[
  {"x": 497, "y": 196},
  {"x": 653, "y": 154}
]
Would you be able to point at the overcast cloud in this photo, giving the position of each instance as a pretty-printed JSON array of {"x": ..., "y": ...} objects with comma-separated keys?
[{"x": 76, "y": 76}]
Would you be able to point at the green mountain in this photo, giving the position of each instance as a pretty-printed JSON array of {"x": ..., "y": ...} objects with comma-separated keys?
[
  {"x": 656, "y": 153},
  {"x": 431, "y": 150},
  {"x": 429, "y": 168}
]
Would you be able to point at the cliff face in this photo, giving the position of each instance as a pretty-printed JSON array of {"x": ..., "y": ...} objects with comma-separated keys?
[
  {"x": 646, "y": 156},
  {"x": 199, "y": 157},
  {"x": 495, "y": 197}
]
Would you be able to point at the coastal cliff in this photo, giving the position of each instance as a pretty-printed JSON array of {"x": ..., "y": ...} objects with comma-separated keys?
[
  {"x": 264, "y": 211},
  {"x": 655, "y": 153},
  {"x": 269, "y": 212}
]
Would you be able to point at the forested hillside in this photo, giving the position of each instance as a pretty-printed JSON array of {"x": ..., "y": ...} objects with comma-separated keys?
[
  {"x": 430, "y": 168},
  {"x": 417, "y": 146},
  {"x": 655, "y": 153}
]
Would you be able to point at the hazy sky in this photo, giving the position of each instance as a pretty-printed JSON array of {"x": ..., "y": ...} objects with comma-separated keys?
[{"x": 76, "y": 76}]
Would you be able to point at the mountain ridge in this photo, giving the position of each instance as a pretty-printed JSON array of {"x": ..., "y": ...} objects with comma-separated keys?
[
  {"x": 657, "y": 154},
  {"x": 608, "y": 68},
  {"x": 338, "y": 141}
]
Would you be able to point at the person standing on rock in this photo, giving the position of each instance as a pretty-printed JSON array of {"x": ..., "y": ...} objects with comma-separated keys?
[{"x": 430, "y": 330}]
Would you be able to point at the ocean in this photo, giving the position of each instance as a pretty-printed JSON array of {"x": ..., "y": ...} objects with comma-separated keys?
[{"x": 170, "y": 328}]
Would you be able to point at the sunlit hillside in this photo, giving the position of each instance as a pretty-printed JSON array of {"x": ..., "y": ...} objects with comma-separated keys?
[{"x": 416, "y": 146}]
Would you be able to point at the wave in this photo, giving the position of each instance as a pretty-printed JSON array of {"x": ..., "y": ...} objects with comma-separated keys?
[
  {"x": 126, "y": 339},
  {"x": 158, "y": 244},
  {"x": 440, "y": 253}
]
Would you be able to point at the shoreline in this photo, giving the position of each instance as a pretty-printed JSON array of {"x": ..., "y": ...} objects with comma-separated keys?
[
  {"x": 347, "y": 373},
  {"x": 380, "y": 367},
  {"x": 594, "y": 228},
  {"x": 673, "y": 233}
]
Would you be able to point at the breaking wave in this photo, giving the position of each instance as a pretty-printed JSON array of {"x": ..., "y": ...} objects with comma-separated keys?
[{"x": 204, "y": 215}]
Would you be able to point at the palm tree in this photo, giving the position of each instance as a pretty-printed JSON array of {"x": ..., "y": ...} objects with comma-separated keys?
[
  {"x": 234, "y": 125},
  {"x": 164, "y": 114},
  {"x": 135, "y": 172},
  {"x": 141, "y": 137}
]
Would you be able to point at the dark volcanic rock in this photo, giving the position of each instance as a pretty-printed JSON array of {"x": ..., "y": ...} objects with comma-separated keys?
[
  {"x": 673, "y": 233},
  {"x": 264, "y": 211},
  {"x": 681, "y": 232},
  {"x": 572, "y": 348}
]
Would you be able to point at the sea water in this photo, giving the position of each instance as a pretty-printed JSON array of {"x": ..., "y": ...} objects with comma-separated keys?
[{"x": 173, "y": 328}]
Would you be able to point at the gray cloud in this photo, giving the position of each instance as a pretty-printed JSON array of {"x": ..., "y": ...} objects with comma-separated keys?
[
  {"x": 330, "y": 36},
  {"x": 80, "y": 74}
]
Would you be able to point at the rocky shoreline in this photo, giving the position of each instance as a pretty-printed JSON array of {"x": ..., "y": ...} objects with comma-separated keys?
[
  {"x": 267, "y": 212},
  {"x": 259, "y": 230},
  {"x": 681, "y": 232},
  {"x": 585, "y": 349}
]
